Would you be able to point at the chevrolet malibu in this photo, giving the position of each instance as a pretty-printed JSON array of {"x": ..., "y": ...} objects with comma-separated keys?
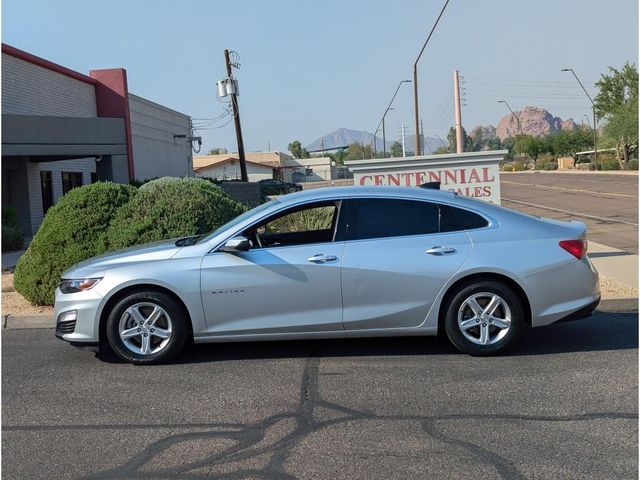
[{"x": 336, "y": 263}]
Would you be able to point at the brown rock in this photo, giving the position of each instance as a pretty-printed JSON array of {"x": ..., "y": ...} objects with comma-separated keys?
[{"x": 535, "y": 121}]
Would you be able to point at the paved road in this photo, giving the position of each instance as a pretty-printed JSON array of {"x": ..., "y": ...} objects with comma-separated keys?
[
  {"x": 607, "y": 203},
  {"x": 564, "y": 405}
]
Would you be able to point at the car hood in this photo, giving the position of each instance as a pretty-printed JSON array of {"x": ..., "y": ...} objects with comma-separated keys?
[{"x": 94, "y": 266}]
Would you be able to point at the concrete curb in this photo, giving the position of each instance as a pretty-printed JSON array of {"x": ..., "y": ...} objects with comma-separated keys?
[
  {"x": 22, "y": 322},
  {"x": 615, "y": 263},
  {"x": 618, "y": 305}
]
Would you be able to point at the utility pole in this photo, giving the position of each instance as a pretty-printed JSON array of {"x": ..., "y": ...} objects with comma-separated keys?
[
  {"x": 404, "y": 150},
  {"x": 384, "y": 140},
  {"x": 458, "y": 114},
  {"x": 384, "y": 146},
  {"x": 595, "y": 120},
  {"x": 421, "y": 139},
  {"x": 517, "y": 122},
  {"x": 236, "y": 121},
  {"x": 415, "y": 77}
]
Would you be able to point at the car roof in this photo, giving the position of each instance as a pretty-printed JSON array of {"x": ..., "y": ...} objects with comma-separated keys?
[{"x": 368, "y": 191}]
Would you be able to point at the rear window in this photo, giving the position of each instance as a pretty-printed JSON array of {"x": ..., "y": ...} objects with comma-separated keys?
[
  {"x": 383, "y": 217},
  {"x": 453, "y": 219}
]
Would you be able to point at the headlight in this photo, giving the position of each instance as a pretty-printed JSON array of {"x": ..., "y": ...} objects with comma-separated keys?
[{"x": 77, "y": 285}]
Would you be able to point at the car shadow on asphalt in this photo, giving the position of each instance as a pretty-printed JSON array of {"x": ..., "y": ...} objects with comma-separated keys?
[{"x": 603, "y": 331}]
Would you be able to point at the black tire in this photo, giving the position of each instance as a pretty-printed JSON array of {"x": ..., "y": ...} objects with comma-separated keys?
[
  {"x": 454, "y": 331},
  {"x": 178, "y": 319}
]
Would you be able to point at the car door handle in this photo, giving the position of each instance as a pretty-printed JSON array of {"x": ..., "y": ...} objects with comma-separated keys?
[
  {"x": 321, "y": 257},
  {"x": 441, "y": 250}
]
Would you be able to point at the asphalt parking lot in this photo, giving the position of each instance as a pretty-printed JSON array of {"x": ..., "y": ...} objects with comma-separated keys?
[
  {"x": 562, "y": 405},
  {"x": 607, "y": 203}
]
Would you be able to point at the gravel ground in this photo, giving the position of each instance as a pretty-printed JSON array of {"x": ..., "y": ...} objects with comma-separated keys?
[{"x": 15, "y": 304}]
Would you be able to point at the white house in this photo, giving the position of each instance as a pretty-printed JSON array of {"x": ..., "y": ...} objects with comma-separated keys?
[{"x": 211, "y": 166}]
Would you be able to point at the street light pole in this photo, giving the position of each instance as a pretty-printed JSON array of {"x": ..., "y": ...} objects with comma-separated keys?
[
  {"x": 415, "y": 79},
  {"x": 595, "y": 124},
  {"x": 517, "y": 121},
  {"x": 384, "y": 146}
]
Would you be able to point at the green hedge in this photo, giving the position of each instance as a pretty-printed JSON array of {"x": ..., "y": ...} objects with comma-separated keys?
[
  {"x": 73, "y": 230},
  {"x": 169, "y": 208}
]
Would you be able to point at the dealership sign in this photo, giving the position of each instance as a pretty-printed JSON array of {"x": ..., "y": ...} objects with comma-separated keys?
[{"x": 473, "y": 174}]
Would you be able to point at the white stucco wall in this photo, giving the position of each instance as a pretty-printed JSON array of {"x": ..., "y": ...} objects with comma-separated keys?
[
  {"x": 156, "y": 153},
  {"x": 28, "y": 89},
  {"x": 231, "y": 171},
  {"x": 313, "y": 169}
]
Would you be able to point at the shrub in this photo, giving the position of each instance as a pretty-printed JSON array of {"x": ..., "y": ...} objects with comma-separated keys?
[
  {"x": 73, "y": 230},
  {"x": 632, "y": 164},
  {"x": 12, "y": 238},
  {"x": 608, "y": 162},
  {"x": 546, "y": 162},
  {"x": 171, "y": 207},
  {"x": 518, "y": 166},
  {"x": 136, "y": 182},
  {"x": 9, "y": 216}
]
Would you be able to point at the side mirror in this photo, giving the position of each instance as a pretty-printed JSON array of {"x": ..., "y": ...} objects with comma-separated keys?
[{"x": 236, "y": 244}]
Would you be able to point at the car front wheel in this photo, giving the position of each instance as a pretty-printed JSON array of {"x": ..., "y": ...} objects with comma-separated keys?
[
  {"x": 484, "y": 318},
  {"x": 147, "y": 328}
]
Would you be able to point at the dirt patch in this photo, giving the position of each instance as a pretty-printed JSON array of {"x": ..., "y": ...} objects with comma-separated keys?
[
  {"x": 612, "y": 288},
  {"x": 15, "y": 304}
]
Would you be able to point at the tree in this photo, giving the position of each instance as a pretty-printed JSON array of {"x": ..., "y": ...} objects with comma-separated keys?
[
  {"x": 396, "y": 149},
  {"x": 338, "y": 156},
  {"x": 494, "y": 144},
  {"x": 467, "y": 142},
  {"x": 297, "y": 150},
  {"x": 357, "y": 151},
  {"x": 617, "y": 103},
  {"x": 218, "y": 151},
  {"x": 441, "y": 151}
]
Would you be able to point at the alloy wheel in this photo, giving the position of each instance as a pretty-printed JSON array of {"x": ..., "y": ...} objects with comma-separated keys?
[
  {"x": 145, "y": 328},
  {"x": 484, "y": 318}
]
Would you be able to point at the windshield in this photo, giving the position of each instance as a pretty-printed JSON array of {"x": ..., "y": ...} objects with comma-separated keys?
[{"x": 239, "y": 219}]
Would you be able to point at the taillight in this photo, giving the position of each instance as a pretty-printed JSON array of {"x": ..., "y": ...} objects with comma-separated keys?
[{"x": 577, "y": 248}]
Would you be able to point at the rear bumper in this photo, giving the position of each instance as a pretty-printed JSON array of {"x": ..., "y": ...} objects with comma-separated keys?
[
  {"x": 584, "y": 312},
  {"x": 566, "y": 291}
]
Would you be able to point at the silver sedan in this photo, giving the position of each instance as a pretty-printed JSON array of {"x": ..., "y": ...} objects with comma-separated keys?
[{"x": 335, "y": 263}]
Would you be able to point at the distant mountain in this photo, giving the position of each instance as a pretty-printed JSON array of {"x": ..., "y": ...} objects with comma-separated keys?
[
  {"x": 343, "y": 137},
  {"x": 535, "y": 121}
]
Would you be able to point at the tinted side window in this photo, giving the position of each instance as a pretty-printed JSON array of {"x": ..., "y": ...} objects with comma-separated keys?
[
  {"x": 453, "y": 219},
  {"x": 383, "y": 217},
  {"x": 313, "y": 223}
]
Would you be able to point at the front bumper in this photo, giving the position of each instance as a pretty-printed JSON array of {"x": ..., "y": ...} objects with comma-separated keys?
[{"x": 86, "y": 329}]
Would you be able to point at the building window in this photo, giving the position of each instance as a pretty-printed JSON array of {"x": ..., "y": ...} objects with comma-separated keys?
[
  {"x": 71, "y": 180},
  {"x": 46, "y": 187}
]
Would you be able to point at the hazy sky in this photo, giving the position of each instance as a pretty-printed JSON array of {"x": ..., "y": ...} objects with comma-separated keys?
[{"x": 310, "y": 67}]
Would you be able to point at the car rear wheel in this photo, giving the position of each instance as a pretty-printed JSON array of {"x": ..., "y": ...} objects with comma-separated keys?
[
  {"x": 147, "y": 328},
  {"x": 484, "y": 318}
]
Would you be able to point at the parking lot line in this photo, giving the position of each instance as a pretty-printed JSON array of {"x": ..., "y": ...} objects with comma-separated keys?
[
  {"x": 578, "y": 214},
  {"x": 579, "y": 190}
]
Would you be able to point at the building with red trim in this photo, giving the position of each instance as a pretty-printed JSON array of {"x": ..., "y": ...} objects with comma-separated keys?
[{"x": 62, "y": 129}]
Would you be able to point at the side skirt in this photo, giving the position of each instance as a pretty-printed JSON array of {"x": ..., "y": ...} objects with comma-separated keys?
[{"x": 378, "y": 332}]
